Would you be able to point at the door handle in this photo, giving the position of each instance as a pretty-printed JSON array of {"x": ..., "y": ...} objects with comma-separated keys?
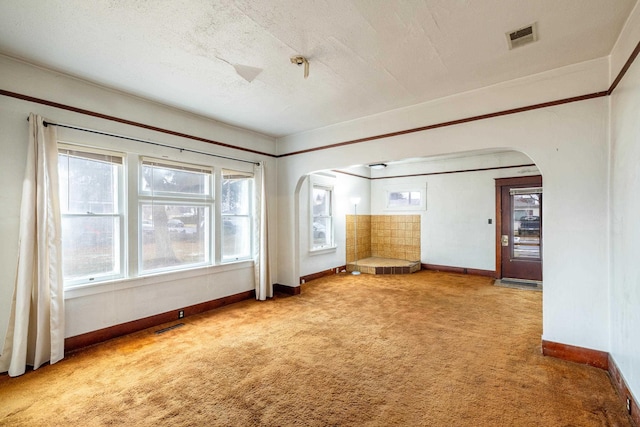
[{"x": 505, "y": 240}]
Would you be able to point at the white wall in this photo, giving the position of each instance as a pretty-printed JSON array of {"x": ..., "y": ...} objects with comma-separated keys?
[
  {"x": 585, "y": 302},
  {"x": 625, "y": 212},
  {"x": 455, "y": 230},
  {"x": 574, "y": 80},
  {"x": 100, "y": 306},
  {"x": 567, "y": 142}
]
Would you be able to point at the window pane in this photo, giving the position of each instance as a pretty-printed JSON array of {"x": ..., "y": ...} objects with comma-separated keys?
[
  {"x": 321, "y": 201},
  {"x": 174, "y": 235},
  {"x": 236, "y": 197},
  {"x": 526, "y": 225},
  {"x": 236, "y": 237},
  {"x": 90, "y": 246},
  {"x": 398, "y": 198},
  {"x": 164, "y": 179},
  {"x": 321, "y": 231},
  {"x": 404, "y": 198},
  {"x": 87, "y": 185}
]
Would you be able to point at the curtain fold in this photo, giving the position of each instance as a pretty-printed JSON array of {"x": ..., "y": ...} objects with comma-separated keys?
[
  {"x": 264, "y": 288},
  {"x": 35, "y": 334}
]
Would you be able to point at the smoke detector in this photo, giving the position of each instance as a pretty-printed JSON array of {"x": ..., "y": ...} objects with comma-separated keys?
[{"x": 522, "y": 36}]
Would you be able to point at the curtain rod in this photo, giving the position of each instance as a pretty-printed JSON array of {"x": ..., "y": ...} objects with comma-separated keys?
[{"x": 45, "y": 123}]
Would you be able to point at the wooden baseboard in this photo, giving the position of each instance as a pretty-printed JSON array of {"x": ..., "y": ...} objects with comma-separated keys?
[
  {"x": 586, "y": 356},
  {"x": 622, "y": 388},
  {"x": 329, "y": 272},
  {"x": 284, "y": 289},
  {"x": 459, "y": 270},
  {"x": 90, "y": 338},
  {"x": 598, "y": 359}
]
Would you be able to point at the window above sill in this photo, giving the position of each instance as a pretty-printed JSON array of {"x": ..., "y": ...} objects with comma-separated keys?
[{"x": 83, "y": 290}]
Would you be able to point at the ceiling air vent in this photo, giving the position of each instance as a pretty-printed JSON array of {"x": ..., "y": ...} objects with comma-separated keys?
[{"x": 522, "y": 36}]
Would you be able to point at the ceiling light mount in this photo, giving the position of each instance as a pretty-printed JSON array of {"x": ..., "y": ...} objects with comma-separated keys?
[
  {"x": 378, "y": 166},
  {"x": 301, "y": 60}
]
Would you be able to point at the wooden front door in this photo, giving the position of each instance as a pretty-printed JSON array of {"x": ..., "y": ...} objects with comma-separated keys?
[{"x": 519, "y": 228}]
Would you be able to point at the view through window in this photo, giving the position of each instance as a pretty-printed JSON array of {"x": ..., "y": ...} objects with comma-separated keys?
[
  {"x": 176, "y": 201},
  {"x": 526, "y": 210},
  {"x": 322, "y": 216},
  {"x": 173, "y": 211},
  {"x": 236, "y": 210},
  {"x": 92, "y": 218}
]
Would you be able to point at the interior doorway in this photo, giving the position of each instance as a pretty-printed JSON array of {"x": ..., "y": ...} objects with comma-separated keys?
[{"x": 519, "y": 229}]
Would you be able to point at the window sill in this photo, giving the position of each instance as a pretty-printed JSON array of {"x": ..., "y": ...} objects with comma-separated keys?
[
  {"x": 78, "y": 291},
  {"x": 322, "y": 251}
]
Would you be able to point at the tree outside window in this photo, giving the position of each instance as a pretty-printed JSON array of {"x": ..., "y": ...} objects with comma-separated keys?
[{"x": 175, "y": 215}]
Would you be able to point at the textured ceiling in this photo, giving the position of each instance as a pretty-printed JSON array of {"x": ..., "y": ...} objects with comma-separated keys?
[{"x": 366, "y": 56}]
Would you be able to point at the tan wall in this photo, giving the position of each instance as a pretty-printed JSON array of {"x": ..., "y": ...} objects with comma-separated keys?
[
  {"x": 385, "y": 236},
  {"x": 364, "y": 237}
]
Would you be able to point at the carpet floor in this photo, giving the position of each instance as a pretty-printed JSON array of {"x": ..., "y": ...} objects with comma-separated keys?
[{"x": 425, "y": 349}]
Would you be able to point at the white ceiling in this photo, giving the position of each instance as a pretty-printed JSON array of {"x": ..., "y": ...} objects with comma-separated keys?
[{"x": 366, "y": 56}]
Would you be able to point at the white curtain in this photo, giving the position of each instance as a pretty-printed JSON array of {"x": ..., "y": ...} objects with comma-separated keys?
[
  {"x": 36, "y": 324},
  {"x": 264, "y": 288}
]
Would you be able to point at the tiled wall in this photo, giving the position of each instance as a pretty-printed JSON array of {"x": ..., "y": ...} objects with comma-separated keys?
[
  {"x": 364, "y": 237},
  {"x": 385, "y": 236}
]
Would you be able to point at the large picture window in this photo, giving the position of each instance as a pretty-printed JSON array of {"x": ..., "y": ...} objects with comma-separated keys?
[
  {"x": 236, "y": 207},
  {"x": 127, "y": 215},
  {"x": 91, "y": 188},
  {"x": 175, "y": 206}
]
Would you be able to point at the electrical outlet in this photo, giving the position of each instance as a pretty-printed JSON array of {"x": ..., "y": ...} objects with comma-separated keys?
[
  {"x": 180, "y": 314},
  {"x": 629, "y": 405}
]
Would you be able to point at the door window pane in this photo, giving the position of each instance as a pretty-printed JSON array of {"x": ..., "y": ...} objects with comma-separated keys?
[{"x": 526, "y": 213}]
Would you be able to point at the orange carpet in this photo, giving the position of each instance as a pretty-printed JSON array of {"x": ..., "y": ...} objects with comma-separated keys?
[{"x": 426, "y": 349}]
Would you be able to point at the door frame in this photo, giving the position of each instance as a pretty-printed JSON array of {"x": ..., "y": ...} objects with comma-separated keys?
[{"x": 532, "y": 180}]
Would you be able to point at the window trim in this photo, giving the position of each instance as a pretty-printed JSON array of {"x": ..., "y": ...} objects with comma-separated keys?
[
  {"x": 96, "y": 154},
  {"x": 326, "y": 183},
  {"x": 129, "y": 201},
  {"x": 145, "y": 197},
  {"x": 400, "y": 188},
  {"x": 237, "y": 175}
]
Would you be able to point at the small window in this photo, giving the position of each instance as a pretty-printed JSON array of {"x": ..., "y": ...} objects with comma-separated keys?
[
  {"x": 403, "y": 198},
  {"x": 322, "y": 209},
  {"x": 236, "y": 207},
  {"x": 399, "y": 199},
  {"x": 175, "y": 207},
  {"x": 91, "y": 186}
]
